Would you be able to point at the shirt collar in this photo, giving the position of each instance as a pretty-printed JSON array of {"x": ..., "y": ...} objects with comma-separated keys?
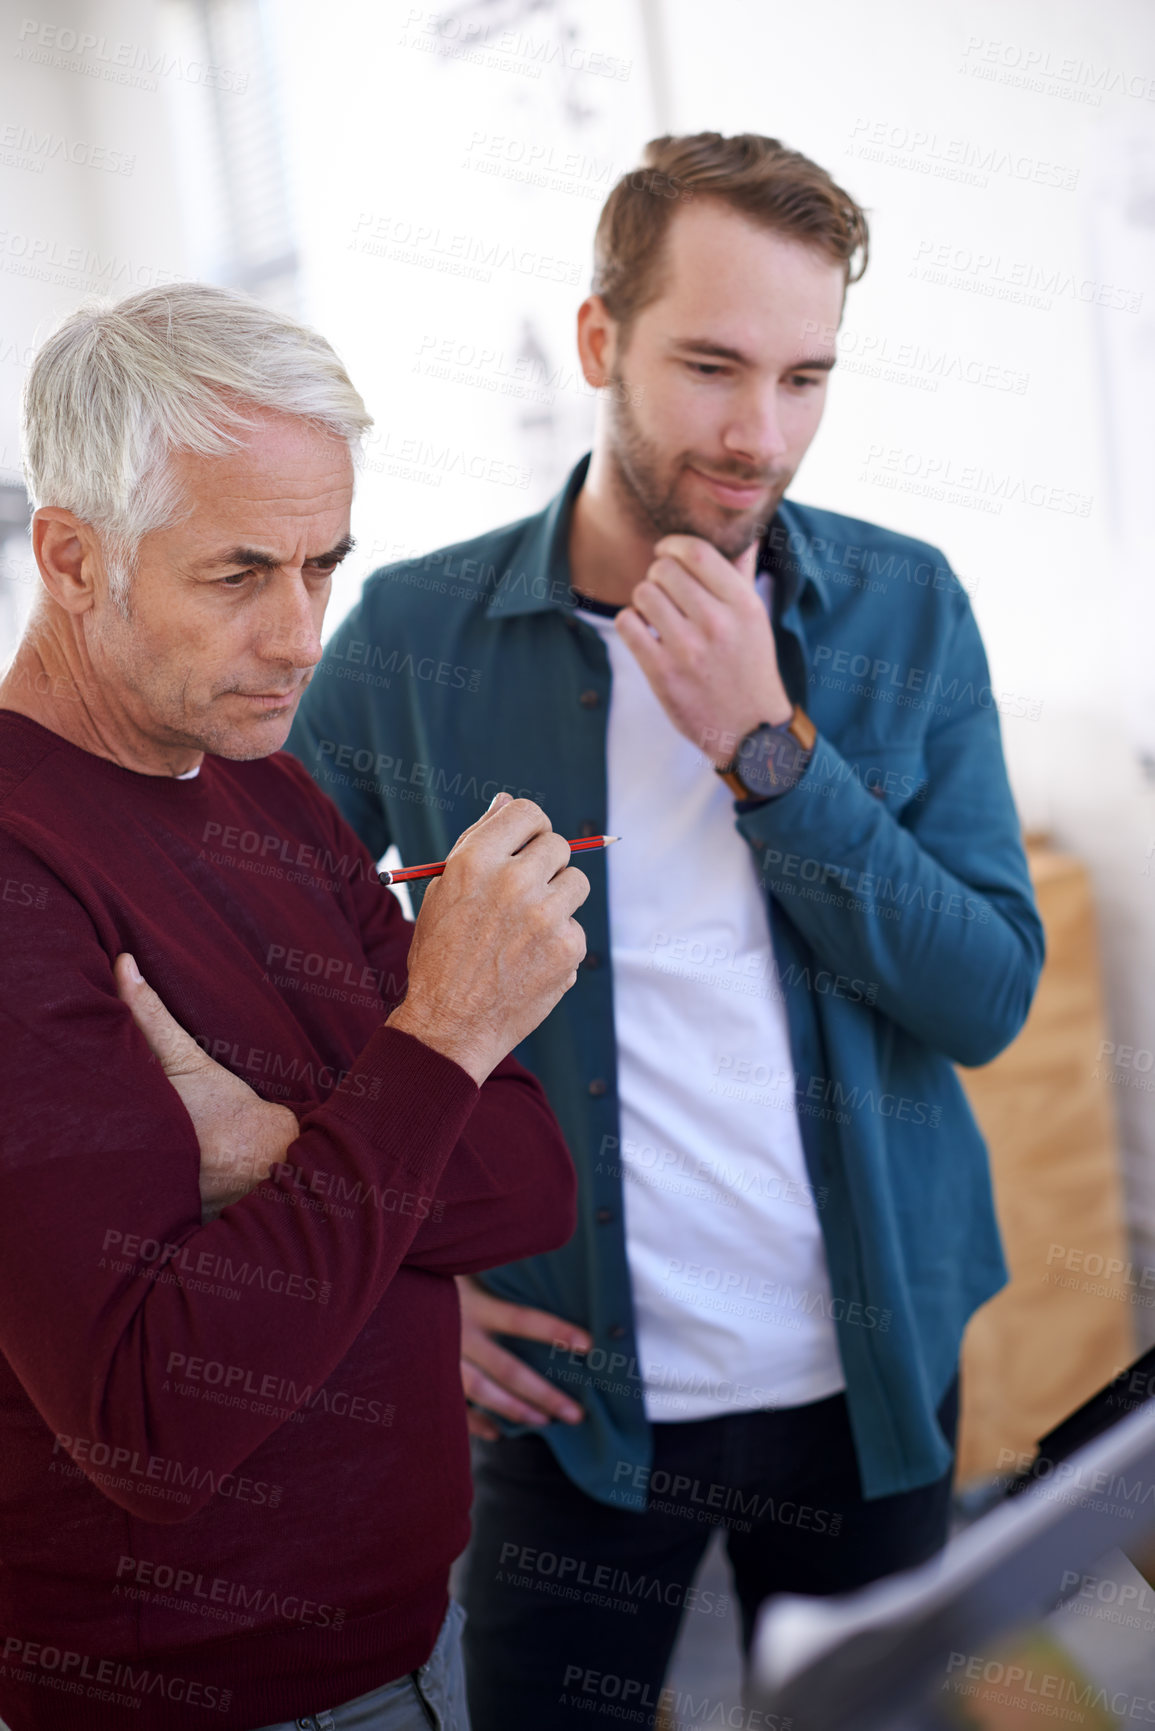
[
  {"x": 789, "y": 555},
  {"x": 537, "y": 577}
]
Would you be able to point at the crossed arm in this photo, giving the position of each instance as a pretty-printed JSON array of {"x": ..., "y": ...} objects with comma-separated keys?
[
  {"x": 243, "y": 1137},
  {"x": 88, "y": 1334}
]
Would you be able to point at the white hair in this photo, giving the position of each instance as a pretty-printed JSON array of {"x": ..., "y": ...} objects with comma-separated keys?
[{"x": 120, "y": 386}]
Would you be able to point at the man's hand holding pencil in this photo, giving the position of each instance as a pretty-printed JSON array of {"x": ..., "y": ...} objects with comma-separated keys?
[
  {"x": 496, "y": 944},
  {"x": 494, "y": 948}
]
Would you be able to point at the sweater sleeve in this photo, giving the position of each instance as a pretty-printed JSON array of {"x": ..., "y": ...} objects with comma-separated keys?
[
  {"x": 107, "y": 1275},
  {"x": 510, "y": 1190}
]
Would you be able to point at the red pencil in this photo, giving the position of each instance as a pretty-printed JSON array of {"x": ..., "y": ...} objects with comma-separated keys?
[{"x": 405, "y": 874}]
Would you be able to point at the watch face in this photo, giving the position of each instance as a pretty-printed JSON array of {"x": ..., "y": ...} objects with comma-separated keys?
[{"x": 770, "y": 761}]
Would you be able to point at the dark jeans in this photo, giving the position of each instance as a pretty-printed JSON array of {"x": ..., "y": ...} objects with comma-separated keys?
[{"x": 575, "y": 1606}]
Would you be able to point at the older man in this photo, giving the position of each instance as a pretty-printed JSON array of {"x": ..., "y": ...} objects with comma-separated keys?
[{"x": 235, "y": 1465}]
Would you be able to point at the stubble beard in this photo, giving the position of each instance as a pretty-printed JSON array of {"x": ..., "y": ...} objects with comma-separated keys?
[{"x": 649, "y": 488}]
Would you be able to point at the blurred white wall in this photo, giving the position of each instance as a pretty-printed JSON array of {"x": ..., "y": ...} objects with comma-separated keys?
[
  {"x": 443, "y": 167},
  {"x": 449, "y": 163},
  {"x": 85, "y": 198}
]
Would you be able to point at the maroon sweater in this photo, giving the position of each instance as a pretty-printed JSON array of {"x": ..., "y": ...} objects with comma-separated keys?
[{"x": 233, "y": 1456}]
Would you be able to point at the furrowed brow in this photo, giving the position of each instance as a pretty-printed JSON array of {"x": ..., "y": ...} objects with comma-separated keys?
[
  {"x": 256, "y": 559},
  {"x": 335, "y": 554}
]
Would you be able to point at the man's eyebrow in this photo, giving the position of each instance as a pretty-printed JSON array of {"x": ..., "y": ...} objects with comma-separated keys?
[
  {"x": 253, "y": 558},
  {"x": 704, "y": 346}
]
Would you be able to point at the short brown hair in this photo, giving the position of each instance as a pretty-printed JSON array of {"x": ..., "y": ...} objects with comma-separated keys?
[{"x": 778, "y": 188}]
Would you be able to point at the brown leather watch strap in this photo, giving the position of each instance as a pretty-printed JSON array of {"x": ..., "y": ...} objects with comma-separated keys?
[
  {"x": 799, "y": 727},
  {"x": 735, "y": 783},
  {"x": 802, "y": 728}
]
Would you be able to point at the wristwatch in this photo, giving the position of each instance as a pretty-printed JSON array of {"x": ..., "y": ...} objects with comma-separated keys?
[{"x": 771, "y": 760}]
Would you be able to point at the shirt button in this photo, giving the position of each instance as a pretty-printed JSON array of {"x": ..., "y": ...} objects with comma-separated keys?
[
  {"x": 591, "y": 829},
  {"x": 603, "y": 1216},
  {"x": 591, "y": 959},
  {"x": 598, "y": 1087},
  {"x": 590, "y": 699},
  {"x": 616, "y": 1330}
]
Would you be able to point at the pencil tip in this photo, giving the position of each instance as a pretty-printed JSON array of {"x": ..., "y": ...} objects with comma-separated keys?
[{"x": 609, "y": 838}]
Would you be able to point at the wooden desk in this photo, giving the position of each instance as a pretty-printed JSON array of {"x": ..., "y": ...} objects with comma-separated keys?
[{"x": 1063, "y": 1326}]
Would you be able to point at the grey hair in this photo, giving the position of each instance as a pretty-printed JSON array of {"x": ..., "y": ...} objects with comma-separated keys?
[{"x": 120, "y": 386}]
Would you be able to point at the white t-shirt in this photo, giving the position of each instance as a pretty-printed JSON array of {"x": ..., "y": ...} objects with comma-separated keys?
[{"x": 728, "y": 1268}]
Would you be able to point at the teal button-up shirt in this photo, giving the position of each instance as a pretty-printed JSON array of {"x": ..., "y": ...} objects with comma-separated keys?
[{"x": 904, "y": 931}]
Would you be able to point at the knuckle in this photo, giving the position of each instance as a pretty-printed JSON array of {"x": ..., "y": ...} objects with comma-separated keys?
[
  {"x": 461, "y": 868},
  {"x": 519, "y": 877},
  {"x": 521, "y": 867},
  {"x": 578, "y": 883},
  {"x": 562, "y": 943}
]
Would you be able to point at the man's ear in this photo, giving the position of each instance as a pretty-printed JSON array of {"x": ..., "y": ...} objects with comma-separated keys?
[
  {"x": 597, "y": 337},
  {"x": 68, "y": 556}
]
